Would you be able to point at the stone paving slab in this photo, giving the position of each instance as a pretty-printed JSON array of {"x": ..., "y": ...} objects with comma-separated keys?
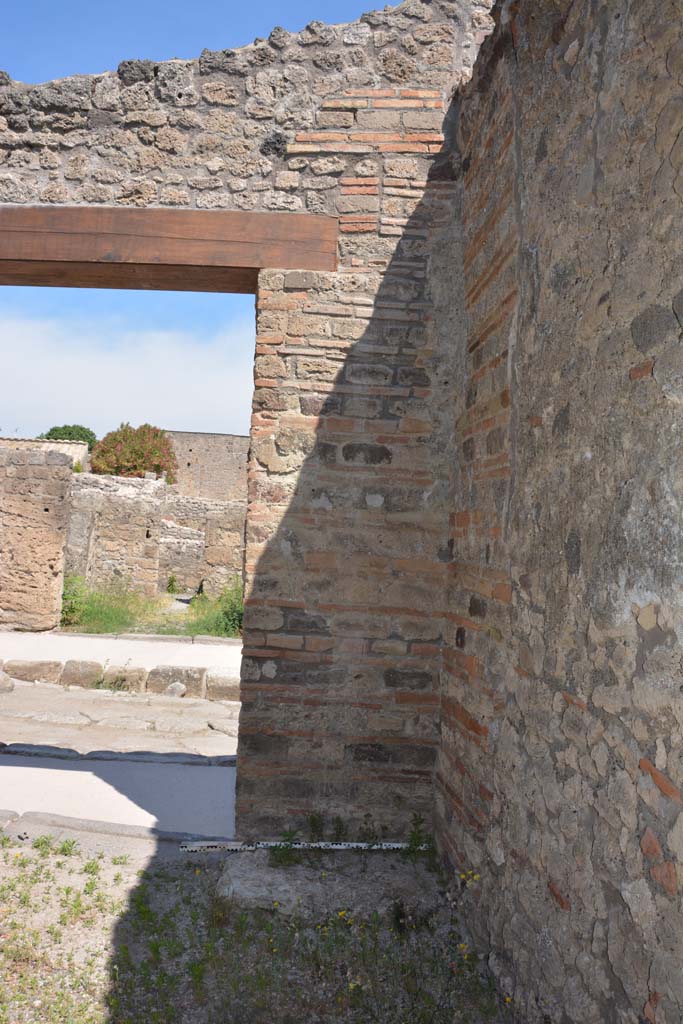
[{"x": 89, "y": 833}]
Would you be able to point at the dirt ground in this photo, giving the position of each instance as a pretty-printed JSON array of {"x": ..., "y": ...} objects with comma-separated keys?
[{"x": 95, "y": 930}]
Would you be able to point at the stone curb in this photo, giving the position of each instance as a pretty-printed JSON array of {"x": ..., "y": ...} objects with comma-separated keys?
[
  {"x": 212, "y": 641},
  {"x": 162, "y": 638},
  {"x": 107, "y": 829},
  {"x": 203, "y": 683},
  {"x": 135, "y": 756}
]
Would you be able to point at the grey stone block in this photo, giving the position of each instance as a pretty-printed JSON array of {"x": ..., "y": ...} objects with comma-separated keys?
[
  {"x": 160, "y": 678},
  {"x": 222, "y": 685},
  {"x": 123, "y": 677},
  {"x": 82, "y": 673},
  {"x": 360, "y": 883},
  {"x": 35, "y": 671}
]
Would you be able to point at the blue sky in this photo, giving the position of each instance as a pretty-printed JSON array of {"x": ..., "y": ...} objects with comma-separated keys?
[{"x": 181, "y": 361}]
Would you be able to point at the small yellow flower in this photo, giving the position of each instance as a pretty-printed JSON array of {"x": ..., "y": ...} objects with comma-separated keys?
[
  {"x": 197, "y": 871},
  {"x": 508, "y": 999},
  {"x": 275, "y": 903},
  {"x": 463, "y": 877},
  {"x": 477, "y": 878},
  {"x": 342, "y": 913}
]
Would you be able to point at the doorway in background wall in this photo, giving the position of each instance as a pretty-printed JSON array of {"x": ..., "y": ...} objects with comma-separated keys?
[
  {"x": 118, "y": 526},
  {"x": 148, "y": 556}
]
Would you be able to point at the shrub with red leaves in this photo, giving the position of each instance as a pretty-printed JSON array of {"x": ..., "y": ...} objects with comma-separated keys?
[{"x": 131, "y": 451}]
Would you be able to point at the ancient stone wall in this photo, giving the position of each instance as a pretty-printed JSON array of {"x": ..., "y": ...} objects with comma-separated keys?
[
  {"x": 349, "y": 480},
  {"x": 76, "y": 450},
  {"x": 114, "y": 531},
  {"x": 217, "y": 132},
  {"x": 142, "y": 532},
  {"x": 202, "y": 542},
  {"x": 34, "y": 507},
  {"x": 211, "y": 466},
  {"x": 560, "y": 776}
]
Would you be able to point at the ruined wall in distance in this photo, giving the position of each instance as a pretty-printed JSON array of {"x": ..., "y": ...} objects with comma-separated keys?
[
  {"x": 560, "y": 776},
  {"x": 142, "y": 532},
  {"x": 212, "y": 466},
  {"x": 76, "y": 450},
  {"x": 34, "y": 508},
  {"x": 114, "y": 531},
  {"x": 202, "y": 542}
]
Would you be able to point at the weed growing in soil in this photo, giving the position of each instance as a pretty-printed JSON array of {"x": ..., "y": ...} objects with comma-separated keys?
[{"x": 89, "y": 939}]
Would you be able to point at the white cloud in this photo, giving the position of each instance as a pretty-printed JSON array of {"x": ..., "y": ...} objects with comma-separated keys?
[{"x": 56, "y": 371}]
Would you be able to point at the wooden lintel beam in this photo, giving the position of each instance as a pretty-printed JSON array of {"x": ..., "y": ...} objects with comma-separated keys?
[{"x": 188, "y": 250}]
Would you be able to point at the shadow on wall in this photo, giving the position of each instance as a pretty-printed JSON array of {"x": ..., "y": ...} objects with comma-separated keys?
[
  {"x": 348, "y": 545},
  {"x": 351, "y": 489}
]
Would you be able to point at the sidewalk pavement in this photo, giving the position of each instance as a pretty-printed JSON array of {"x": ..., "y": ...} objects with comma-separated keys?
[{"x": 122, "y": 650}]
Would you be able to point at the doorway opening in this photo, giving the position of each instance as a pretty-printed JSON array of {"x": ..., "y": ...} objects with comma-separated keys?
[
  {"x": 129, "y": 527},
  {"x": 146, "y": 553}
]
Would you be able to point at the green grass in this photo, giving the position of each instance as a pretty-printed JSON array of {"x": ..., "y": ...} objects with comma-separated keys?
[
  {"x": 118, "y": 609},
  {"x": 221, "y": 616},
  {"x": 115, "y": 609}
]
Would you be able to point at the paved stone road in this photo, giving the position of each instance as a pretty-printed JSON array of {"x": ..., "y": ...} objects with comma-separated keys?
[
  {"x": 162, "y": 763},
  {"x": 83, "y": 721}
]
